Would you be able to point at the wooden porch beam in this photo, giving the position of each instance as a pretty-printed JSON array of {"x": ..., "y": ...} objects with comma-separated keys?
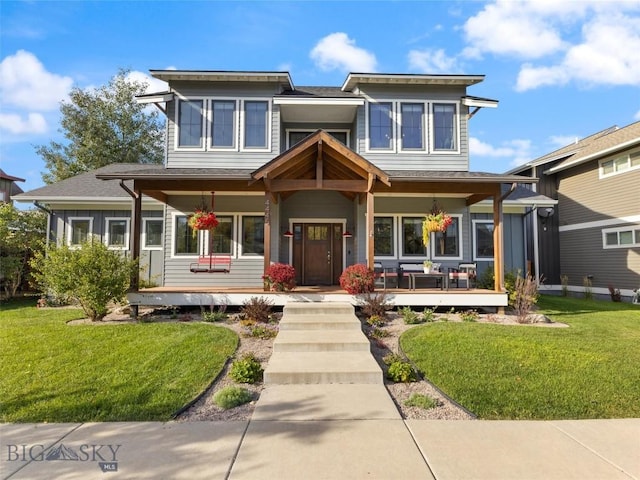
[
  {"x": 498, "y": 254},
  {"x": 267, "y": 234},
  {"x": 340, "y": 185},
  {"x": 319, "y": 166},
  {"x": 473, "y": 199},
  {"x": 370, "y": 231}
]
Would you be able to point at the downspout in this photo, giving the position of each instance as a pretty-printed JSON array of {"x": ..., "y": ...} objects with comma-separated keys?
[{"x": 41, "y": 207}]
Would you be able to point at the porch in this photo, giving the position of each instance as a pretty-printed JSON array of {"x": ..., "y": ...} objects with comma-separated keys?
[{"x": 206, "y": 296}]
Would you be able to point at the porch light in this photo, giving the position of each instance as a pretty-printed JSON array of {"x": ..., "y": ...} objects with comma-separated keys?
[
  {"x": 347, "y": 234},
  {"x": 288, "y": 234}
]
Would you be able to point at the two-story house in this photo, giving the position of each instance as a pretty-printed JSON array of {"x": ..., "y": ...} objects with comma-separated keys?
[
  {"x": 8, "y": 186},
  {"x": 593, "y": 239},
  {"x": 318, "y": 177}
]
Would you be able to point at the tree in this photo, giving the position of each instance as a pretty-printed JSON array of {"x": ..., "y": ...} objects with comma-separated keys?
[
  {"x": 103, "y": 126},
  {"x": 22, "y": 233},
  {"x": 91, "y": 275}
]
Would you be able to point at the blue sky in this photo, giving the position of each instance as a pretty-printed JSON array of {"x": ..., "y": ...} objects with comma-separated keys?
[{"x": 561, "y": 70}]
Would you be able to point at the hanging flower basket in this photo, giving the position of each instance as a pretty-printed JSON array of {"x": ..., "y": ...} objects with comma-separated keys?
[
  {"x": 203, "y": 220},
  {"x": 436, "y": 221}
]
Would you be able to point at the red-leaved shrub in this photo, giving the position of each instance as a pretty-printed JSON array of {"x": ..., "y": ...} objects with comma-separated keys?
[
  {"x": 357, "y": 279},
  {"x": 280, "y": 277}
]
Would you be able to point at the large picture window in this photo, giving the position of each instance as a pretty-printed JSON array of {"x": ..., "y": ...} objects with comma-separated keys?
[
  {"x": 412, "y": 131},
  {"x": 412, "y": 244},
  {"x": 190, "y": 123},
  {"x": 255, "y": 124},
  {"x": 482, "y": 240},
  {"x": 221, "y": 237},
  {"x": 185, "y": 243},
  {"x": 253, "y": 235},
  {"x": 383, "y": 236},
  {"x": 444, "y": 126},
  {"x": 223, "y": 114},
  {"x": 117, "y": 233},
  {"x": 447, "y": 244},
  {"x": 380, "y": 125},
  {"x": 79, "y": 231}
]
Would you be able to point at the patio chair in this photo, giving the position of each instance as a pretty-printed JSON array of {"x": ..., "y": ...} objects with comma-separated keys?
[
  {"x": 382, "y": 274},
  {"x": 464, "y": 271}
]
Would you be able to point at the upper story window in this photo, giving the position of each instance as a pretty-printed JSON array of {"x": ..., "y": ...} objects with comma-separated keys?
[
  {"x": 412, "y": 129},
  {"x": 223, "y": 122},
  {"x": 255, "y": 124},
  {"x": 444, "y": 126},
  {"x": 624, "y": 163},
  {"x": 381, "y": 125},
  {"x": 190, "y": 117},
  {"x": 296, "y": 136}
]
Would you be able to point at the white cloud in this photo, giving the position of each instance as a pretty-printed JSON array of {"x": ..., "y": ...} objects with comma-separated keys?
[
  {"x": 432, "y": 61},
  {"x": 25, "y": 83},
  {"x": 15, "y": 124},
  {"x": 563, "y": 140},
  {"x": 518, "y": 150},
  {"x": 637, "y": 115},
  {"x": 153, "y": 84},
  {"x": 337, "y": 51}
]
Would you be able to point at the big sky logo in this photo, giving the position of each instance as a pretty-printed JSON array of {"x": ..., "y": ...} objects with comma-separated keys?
[{"x": 106, "y": 456}]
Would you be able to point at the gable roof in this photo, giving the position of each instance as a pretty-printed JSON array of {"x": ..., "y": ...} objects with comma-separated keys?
[{"x": 601, "y": 143}]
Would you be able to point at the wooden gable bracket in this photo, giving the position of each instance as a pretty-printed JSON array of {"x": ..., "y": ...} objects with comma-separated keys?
[{"x": 319, "y": 166}]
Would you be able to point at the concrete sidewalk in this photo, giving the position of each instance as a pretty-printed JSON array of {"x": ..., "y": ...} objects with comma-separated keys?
[{"x": 377, "y": 448}]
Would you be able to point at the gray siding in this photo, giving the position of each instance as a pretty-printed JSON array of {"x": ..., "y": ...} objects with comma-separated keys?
[{"x": 582, "y": 254}]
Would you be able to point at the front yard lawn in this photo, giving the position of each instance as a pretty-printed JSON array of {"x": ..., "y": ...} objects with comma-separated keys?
[
  {"x": 53, "y": 372},
  {"x": 589, "y": 370}
]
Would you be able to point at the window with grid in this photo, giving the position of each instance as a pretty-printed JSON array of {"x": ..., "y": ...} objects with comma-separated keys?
[{"x": 190, "y": 123}]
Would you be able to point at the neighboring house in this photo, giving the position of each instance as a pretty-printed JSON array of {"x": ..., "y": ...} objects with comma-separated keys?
[
  {"x": 8, "y": 186},
  {"x": 319, "y": 177},
  {"x": 595, "y": 233}
]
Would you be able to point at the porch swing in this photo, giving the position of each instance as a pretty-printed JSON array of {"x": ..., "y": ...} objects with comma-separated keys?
[{"x": 212, "y": 263}]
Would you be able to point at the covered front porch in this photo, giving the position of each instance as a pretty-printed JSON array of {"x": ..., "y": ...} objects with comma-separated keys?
[{"x": 205, "y": 297}]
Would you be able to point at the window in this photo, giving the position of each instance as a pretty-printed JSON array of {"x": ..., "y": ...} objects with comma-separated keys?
[
  {"x": 190, "y": 123},
  {"x": 447, "y": 245},
  {"x": 296, "y": 136},
  {"x": 117, "y": 233},
  {"x": 152, "y": 233},
  {"x": 185, "y": 243},
  {"x": 624, "y": 237},
  {"x": 383, "y": 236},
  {"x": 444, "y": 126},
  {"x": 79, "y": 231},
  {"x": 412, "y": 244},
  {"x": 482, "y": 240},
  {"x": 380, "y": 126},
  {"x": 253, "y": 235},
  {"x": 620, "y": 164},
  {"x": 223, "y": 115},
  {"x": 221, "y": 237},
  {"x": 412, "y": 130},
  {"x": 255, "y": 124}
]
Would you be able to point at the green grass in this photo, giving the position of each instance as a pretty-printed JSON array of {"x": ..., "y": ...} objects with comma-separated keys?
[
  {"x": 53, "y": 372},
  {"x": 589, "y": 370}
]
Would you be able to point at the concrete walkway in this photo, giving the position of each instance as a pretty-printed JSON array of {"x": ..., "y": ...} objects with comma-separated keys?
[{"x": 324, "y": 414}]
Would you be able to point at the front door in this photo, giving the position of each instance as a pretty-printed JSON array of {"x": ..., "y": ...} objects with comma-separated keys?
[{"x": 317, "y": 253}]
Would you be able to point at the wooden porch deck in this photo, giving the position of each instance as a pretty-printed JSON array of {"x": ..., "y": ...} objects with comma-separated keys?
[{"x": 205, "y": 296}]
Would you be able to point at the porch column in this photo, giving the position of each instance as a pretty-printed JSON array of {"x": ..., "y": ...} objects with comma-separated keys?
[
  {"x": 134, "y": 241},
  {"x": 498, "y": 254},
  {"x": 267, "y": 233},
  {"x": 370, "y": 240}
]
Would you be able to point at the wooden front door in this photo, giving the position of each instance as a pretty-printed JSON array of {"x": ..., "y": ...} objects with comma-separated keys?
[{"x": 317, "y": 253}]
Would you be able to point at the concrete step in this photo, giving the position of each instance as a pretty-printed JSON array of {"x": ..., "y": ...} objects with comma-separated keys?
[
  {"x": 322, "y": 367},
  {"x": 327, "y": 308},
  {"x": 319, "y": 322},
  {"x": 321, "y": 341}
]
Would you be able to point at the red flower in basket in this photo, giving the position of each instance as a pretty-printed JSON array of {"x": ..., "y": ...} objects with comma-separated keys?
[{"x": 203, "y": 220}]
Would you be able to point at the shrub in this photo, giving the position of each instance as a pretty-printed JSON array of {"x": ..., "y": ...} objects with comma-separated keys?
[
  {"x": 469, "y": 316},
  {"x": 231, "y": 396},
  {"x": 280, "y": 277},
  {"x": 421, "y": 401},
  {"x": 564, "y": 280},
  {"x": 262, "y": 331},
  {"x": 376, "y": 321},
  {"x": 246, "y": 370},
  {"x": 91, "y": 275},
  {"x": 357, "y": 279},
  {"x": 401, "y": 372},
  {"x": 257, "y": 309},
  {"x": 377, "y": 332},
  {"x": 487, "y": 280},
  {"x": 392, "y": 358},
  {"x": 375, "y": 304},
  {"x": 409, "y": 316},
  {"x": 214, "y": 315},
  {"x": 588, "y": 292},
  {"x": 525, "y": 297},
  {"x": 428, "y": 315}
]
